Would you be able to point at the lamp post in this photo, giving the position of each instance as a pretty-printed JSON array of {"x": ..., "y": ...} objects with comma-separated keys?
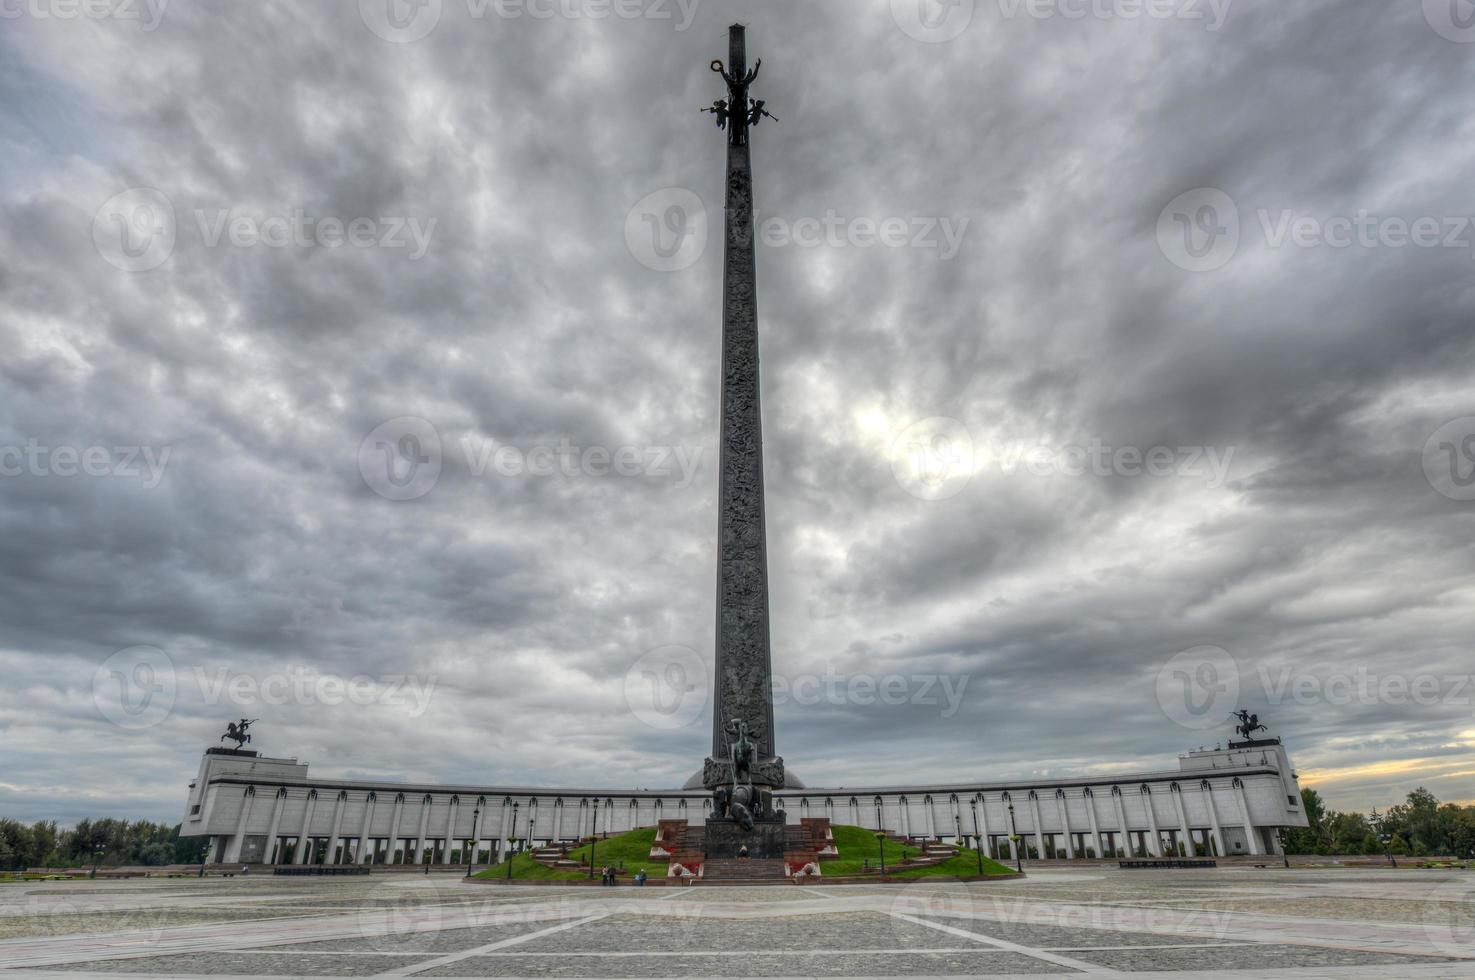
[
  {"x": 881, "y": 848},
  {"x": 96, "y": 860},
  {"x": 978, "y": 834},
  {"x": 471, "y": 844},
  {"x": 1014, "y": 840},
  {"x": 593, "y": 840},
  {"x": 512, "y": 841}
]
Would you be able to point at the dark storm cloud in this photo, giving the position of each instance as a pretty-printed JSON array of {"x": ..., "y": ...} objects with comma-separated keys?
[{"x": 1036, "y": 298}]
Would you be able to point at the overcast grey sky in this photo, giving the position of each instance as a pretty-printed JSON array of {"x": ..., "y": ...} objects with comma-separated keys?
[{"x": 1089, "y": 339}]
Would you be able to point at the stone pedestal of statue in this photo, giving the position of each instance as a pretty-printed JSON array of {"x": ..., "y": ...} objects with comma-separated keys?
[{"x": 725, "y": 838}]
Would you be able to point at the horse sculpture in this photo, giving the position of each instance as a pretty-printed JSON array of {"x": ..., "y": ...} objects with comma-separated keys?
[
  {"x": 237, "y": 732},
  {"x": 1248, "y": 724}
]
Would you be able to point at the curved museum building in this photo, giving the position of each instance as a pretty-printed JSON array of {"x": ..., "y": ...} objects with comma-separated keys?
[{"x": 259, "y": 810}]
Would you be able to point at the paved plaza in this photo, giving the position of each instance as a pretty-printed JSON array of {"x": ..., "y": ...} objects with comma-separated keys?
[{"x": 1097, "y": 922}]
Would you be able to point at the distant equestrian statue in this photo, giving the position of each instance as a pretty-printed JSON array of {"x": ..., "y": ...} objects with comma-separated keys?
[
  {"x": 1248, "y": 724},
  {"x": 237, "y": 732}
]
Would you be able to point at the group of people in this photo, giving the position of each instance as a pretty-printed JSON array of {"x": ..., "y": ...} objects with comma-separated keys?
[{"x": 608, "y": 875}]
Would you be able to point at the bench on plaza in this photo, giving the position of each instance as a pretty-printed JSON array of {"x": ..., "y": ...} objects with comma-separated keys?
[
  {"x": 1174, "y": 863},
  {"x": 320, "y": 870}
]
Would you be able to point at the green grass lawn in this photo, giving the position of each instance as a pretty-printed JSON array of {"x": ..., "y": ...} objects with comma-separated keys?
[
  {"x": 632, "y": 848},
  {"x": 963, "y": 865},
  {"x": 856, "y": 846}
]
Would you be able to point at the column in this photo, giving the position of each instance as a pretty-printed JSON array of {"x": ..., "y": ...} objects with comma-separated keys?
[
  {"x": 476, "y": 818},
  {"x": 238, "y": 839},
  {"x": 450, "y": 828},
  {"x": 358, "y": 851},
  {"x": 1070, "y": 844},
  {"x": 302, "y": 836},
  {"x": 1100, "y": 849},
  {"x": 1183, "y": 821},
  {"x": 1155, "y": 842},
  {"x": 1034, "y": 809},
  {"x": 334, "y": 835},
  {"x": 1121, "y": 818},
  {"x": 744, "y": 674},
  {"x": 394, "y": 822},
  {"x": 276, "y": 822},
  {"x": 1218, "y": 838},
  {"x": 988, "y": 841},
  {"x": 1251, "y": 837},
  {"x": 425, "y": 805}
]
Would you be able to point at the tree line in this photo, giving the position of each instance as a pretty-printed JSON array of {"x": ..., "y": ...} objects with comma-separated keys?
[
  {"x": 1420, "y": 825},
  {"x": 121, "y": 842}
]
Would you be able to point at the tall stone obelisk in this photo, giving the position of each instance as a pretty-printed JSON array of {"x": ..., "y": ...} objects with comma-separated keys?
[{"x": 743, "y": 682}]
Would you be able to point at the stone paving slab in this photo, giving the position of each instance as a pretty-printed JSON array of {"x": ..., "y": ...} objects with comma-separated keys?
[
  {"x": 679, "y": 933},
  {"x": 1061, "y": 937},
  {"x": 442, "y": 941},
  {"x": 249, "y": 964},
  {"x": 830, "y": 964},
  {"x": 1245, "y": 957}
]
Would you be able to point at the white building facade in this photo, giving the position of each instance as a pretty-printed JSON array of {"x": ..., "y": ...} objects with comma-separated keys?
[{"x": 259, "y": 810}]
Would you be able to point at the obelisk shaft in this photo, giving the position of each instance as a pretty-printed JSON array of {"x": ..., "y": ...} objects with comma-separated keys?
[{"x": 743, "y": 685}]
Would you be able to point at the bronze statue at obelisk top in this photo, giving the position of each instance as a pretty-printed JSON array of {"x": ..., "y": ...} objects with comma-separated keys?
[{"x": 744, "y": 770}]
